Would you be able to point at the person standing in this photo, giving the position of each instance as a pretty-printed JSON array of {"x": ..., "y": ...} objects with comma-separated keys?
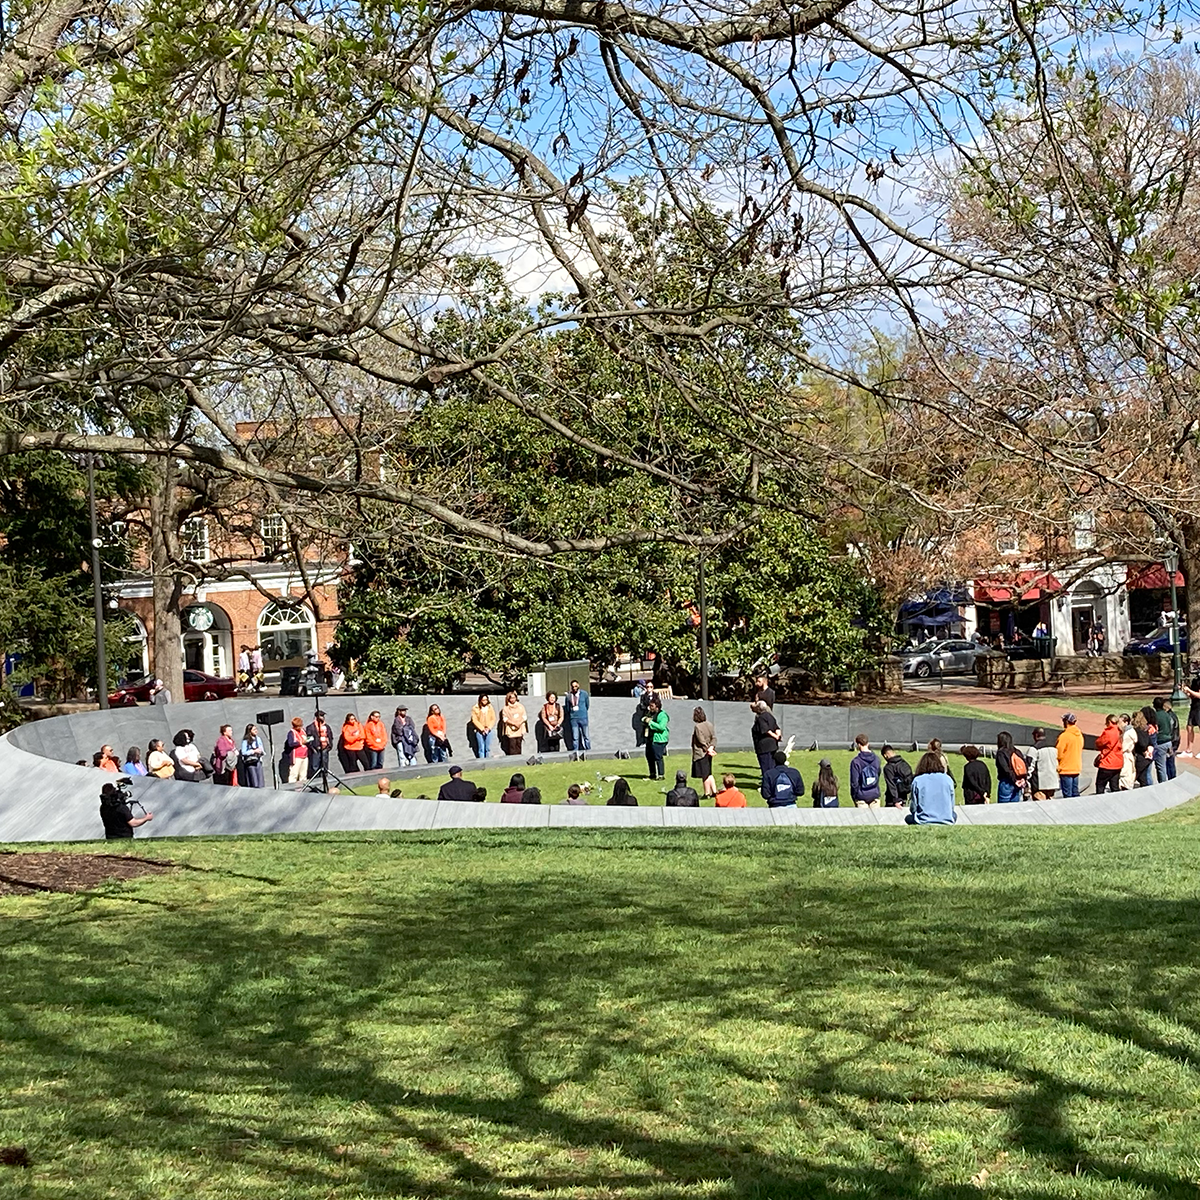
[
  {"x": 514, "y": 724},
  {"x": 658, "y": 734},
  {"x": 704, "y": 749},
  {"x": 551, "y": 721},
  {"x": 483, "y": 723},
  {"x": 1110, "y": 757},
  {"x": 404, "y": 738},
  {"x": 932, "y": 794},
  {"x": 117, "y": 814},
  {"x": 433, "y": 735},
  {"x": 1070, "y": 756},
  {"x": 243, "y": 669},
  {"x": 765, "y": 736},
  {"x": 1011, "y": 770},
  {"x": 864, "y": 774},
  {"x": 764, "y": 691},
  {"x": 351, "y": 742},
  {"x": 644, "y": 691},
  {"x": 159, "y": 693},
  {"x": 250, "y": 763},
  {"x": 1168, "y": 736},
  {"x": 320, "y": 741},
  {"x": 1191, "y": 689},
  {"x": 578, "y": 702},
  {"x": 225, "y": 758},
  {"x": 1044, "y": 771},
  {"x": 374, "y": 741},
  {"x": 295, "y": 752},
  {"x": 256, "y": 668},
  {"x": 1143, "y": 748},
  {"x": 1128, "y": 753}
]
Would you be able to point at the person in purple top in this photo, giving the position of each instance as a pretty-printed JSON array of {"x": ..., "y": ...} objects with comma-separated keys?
[{"x": 864, "y": 774}]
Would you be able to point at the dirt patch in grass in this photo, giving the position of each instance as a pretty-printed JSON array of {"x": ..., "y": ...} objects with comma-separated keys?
[{"x": 51, "y": 871}]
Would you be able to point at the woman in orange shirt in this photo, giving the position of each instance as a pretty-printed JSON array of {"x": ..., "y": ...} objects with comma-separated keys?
[
  {"x": 350, "y": 745},
  {"x": 433, "y": 736},
  {"x": 375, "y": 737},
  {"x": 1111, "y": 756}
]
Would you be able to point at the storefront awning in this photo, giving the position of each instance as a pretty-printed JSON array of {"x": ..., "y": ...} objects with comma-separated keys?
[
  {"x": 1139, "y": 576},
  {"x": 1026, "y": 586}
]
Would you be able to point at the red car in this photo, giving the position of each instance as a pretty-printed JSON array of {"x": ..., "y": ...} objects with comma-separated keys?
[{"x": 196, "y": 686}]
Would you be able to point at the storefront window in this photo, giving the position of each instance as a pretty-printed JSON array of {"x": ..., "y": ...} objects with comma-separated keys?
[{"x": 286, "y": 629}]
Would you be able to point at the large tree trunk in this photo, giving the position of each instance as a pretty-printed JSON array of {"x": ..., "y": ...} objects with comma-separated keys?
[
  {"x": 166, "y": 652},
  {"x": 1189, "y": 564}
]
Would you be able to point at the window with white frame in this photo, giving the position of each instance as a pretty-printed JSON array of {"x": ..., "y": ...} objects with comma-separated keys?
[
  {"x": 274, "y": 533},
  {"x": 1085, "y": 531},
  {"x": 286, "y": 629},
  {"x": 194, "y": 535},
  {"x": 1008, "y": 538}
]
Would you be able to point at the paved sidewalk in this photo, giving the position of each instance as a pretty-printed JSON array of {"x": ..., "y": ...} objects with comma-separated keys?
[{"x": 1032, "y": 713}]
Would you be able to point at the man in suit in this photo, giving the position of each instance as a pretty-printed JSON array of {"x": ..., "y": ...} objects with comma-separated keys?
[
  {"x": 457, "y": 788},
  {"x": 576, "y": 705}
]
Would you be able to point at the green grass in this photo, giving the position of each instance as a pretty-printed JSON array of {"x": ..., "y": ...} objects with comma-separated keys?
[
  {"x": 554, "y": 778},
  {"x": 614, "y": 1015}
]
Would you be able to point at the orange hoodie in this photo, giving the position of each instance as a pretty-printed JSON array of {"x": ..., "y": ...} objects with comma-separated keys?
[
  {"x": 376, "y": 736},
  {"x": 1109, "y": 746},
  {"x": 1070, "y": 751},
  {"x": 352, "y": 735}
]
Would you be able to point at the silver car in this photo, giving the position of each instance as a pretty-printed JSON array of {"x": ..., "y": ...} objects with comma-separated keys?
[{"x": 952, "y": 656}]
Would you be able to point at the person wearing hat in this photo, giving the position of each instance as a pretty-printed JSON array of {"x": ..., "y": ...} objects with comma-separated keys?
[
  {"x": 320, "y": 739},
  {"x": 1070, "y": 755},
  {"x": 825, "y": 789},
  {"x": 405, "y": 739},
  {"x": 457, "y": 788},
  {"x": 682, "y": 796}
]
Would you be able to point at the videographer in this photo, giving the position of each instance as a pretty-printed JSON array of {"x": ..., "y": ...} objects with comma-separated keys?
[{"x": 116, "y": 810}]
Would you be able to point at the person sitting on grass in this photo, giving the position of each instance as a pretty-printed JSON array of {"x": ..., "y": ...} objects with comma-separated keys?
[
  {"x": 621, "y": 795},
  {"x": 457, "y": 788},
  {"x": 729, "y": 796},
  {"x": 682, "y": 796},
  {"x": 782, "y": 785},
  {"x": 825, "y": 789},
  {"x": 383, "y": 786},
  {"x": 516, "y": 788},
  {"x": 575, "y": 795},
  {"x": 531, "y": 795},
  {"x": 977, "y": 779},
  {"x": 865, "y": 770},
  {"x": 932, "y": 794}
]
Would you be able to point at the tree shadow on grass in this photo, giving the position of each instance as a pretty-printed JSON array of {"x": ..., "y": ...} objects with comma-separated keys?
[{"x": 564, "y": 979}]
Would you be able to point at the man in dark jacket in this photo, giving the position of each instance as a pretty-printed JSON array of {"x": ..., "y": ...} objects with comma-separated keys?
[
  {"x": 457, "y": 788},
  {"x": 117, "y": 813},
  {"x": 682, "y": 796},
  {"x": 864, "y": 774},
  {"x": 765, "y": 736},
  {"x": 897, "y": 779},
  {"x": 782, "y": 785},
  {"x": 320, "y": 738}
]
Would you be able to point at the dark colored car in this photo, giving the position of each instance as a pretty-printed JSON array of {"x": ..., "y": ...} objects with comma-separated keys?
[
  {"x": 196, "y": 686},
  {"x": 1158, "y": 642}
]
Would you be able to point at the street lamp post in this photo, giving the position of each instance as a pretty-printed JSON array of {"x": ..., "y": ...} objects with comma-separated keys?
[
  {"x": 702, "y": 598},
  {"x": 97, "y": 591},
  {"x": 1171, "y": 562}
]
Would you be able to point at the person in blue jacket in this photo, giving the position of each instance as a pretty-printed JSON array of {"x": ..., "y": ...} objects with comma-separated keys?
[
  {"x": 932, "y": 800},
  {"x": 865, "y": 770},
  {"x": 576, "y": 703}
]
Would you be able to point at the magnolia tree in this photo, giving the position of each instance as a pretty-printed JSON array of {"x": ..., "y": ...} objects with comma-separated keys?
[{"x": 211, "y": 211}]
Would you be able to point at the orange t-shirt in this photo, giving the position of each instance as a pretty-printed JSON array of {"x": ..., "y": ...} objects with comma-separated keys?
[
  {"x": 376, "y": 736},
  {"x": 730, "y": 798},
  {"x": 352, "y": 735}
]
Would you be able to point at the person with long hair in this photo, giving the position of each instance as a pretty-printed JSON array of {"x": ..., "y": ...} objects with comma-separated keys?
[
  {"x": 516, "y": 788},
  {"x": 250, "y": 764},
  {"x": 621, "y": 796},
  {"x": 133, "y": 762},
  {"x": 932, "y": 800},
  {"x": 825, "y": 789},
  {"x": 1010, "y": 770},
  {"x": 550, "y": 721},
  {"x": 704, "y": 750},
  {"x": 433, "y": 736},
  {"x": 1110, "y": 758},
  {"x": 225, "y": 758},
  {"x": 514, "y": 724},
  {"x": 1143, "y": 746},
  {"x": 374, "y": 742},
  {"x": 158, "y": 761},
  {"x": 483, "y": 726},
  {"x": 351, "y": 743}
]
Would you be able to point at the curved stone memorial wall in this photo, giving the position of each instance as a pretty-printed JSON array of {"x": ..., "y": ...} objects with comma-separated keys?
[{"x": 44, "y": 796}]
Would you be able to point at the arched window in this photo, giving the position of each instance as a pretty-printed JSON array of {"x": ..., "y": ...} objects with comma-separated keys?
[{"x": 286, "y": 629}]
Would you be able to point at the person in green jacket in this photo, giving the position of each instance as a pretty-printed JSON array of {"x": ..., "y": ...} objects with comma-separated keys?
[{"x": 657, "y": 735}]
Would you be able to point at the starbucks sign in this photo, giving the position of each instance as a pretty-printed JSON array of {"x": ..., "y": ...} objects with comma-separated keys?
[{"x": 199, "y": 618}]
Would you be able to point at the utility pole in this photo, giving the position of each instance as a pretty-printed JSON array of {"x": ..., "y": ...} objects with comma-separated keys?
[{"x": 97, "y": 591}]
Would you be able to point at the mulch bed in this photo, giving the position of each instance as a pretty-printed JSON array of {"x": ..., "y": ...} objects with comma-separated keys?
[{"x": 52, "y": 871}]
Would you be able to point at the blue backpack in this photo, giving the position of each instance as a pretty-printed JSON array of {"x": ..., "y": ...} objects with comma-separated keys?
[{"x": 785, "y": 791}]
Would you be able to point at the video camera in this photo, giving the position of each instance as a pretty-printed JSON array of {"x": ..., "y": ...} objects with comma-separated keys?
[{"x": 119, "y": 791}]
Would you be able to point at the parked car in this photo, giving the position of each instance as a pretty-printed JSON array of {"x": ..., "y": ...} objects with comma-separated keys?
[
  {"x": 196, "y": 686},
  {"x": 951, "y": 656},
  {"x": 1158, "y": 642}
]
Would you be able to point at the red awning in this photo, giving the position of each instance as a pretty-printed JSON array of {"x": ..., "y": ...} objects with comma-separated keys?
[
  {"x": 1149, "y": 575},
  {"x": 1025, "y": 585}
]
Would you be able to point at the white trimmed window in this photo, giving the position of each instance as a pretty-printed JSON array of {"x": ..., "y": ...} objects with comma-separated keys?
[
  {"x": 286, "y": 629},
  {"x": 274, "y": 533},
  {"x": 194, "y": 535},
  {"x": 1085, "y": 531}
]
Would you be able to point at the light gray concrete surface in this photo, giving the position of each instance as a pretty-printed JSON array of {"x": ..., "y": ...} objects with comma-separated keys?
[{"x": 44, "y": 796}]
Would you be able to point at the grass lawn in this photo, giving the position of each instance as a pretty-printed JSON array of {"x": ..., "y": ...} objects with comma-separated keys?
[
  {"x": 614, "y": 1015},
  {"x": 554, "y": 778}
]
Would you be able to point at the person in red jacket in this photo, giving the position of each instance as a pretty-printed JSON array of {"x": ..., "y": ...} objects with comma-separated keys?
[
  {"x": 1110, "y": 758},
  {"x": 351, "y": 744},
  {"x": 375, "y": 737}
]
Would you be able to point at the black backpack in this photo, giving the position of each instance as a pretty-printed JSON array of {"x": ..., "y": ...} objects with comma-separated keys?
[{"x": 902, "y": 776}]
